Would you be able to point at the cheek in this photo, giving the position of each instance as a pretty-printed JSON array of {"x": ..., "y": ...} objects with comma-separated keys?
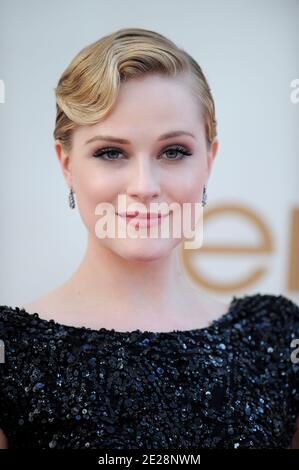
[
  {"x": 92, "y": 188},
  {"x": 186, "y": 191},
  {"x": 187, "y": 185},
  {"x": 95, "y": 186}
]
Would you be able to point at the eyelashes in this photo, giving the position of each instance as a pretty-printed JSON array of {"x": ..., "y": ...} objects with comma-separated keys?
[{"x": 180, "y": 149}]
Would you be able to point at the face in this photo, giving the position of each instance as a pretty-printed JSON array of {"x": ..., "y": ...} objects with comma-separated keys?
[{"x": 145, "y": 170}]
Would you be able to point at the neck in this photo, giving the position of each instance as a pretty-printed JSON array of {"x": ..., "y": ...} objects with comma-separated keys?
[{"x": 145, "y": 291}]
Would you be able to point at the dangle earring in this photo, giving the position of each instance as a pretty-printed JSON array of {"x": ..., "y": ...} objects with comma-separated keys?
[
  {"x": 72, "y": 199},
  {"x": 204, "y": 196}
]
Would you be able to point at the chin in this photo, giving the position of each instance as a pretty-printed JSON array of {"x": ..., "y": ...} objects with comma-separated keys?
[{"x": 144, "y": 250}]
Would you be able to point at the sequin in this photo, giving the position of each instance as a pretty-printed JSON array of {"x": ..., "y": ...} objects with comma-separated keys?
[{"x": 229, "y": 385}]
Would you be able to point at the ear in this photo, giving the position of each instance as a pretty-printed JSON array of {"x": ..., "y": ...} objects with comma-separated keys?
[
  {"x": 64, "y": 161},
  {"x": 213, "y": 149}
]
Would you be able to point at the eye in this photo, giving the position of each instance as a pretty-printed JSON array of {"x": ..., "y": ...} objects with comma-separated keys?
[
  {"x": 99, "y": 153},
  {"x": 177, "y": 149},
  {"x": 113, "y": 152}
]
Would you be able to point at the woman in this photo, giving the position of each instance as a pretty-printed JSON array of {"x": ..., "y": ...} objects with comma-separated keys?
[{"x": 127, "y": 353}]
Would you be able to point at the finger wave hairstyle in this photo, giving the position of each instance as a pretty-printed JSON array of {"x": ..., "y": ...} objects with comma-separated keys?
[{"x": 89, "y": 86}]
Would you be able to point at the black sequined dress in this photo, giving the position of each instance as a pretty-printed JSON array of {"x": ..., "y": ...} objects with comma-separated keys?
[{"x": 233, "y": 384}]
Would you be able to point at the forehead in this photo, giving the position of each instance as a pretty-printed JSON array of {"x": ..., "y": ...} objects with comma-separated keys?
[
  {"x": 149, "y": 106},
  {"x": 156, "y": 95}
]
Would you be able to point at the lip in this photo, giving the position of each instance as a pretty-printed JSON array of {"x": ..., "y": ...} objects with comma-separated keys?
[
  {"x": 139, "y": 215},
  {"x": 144, "y": 220}
]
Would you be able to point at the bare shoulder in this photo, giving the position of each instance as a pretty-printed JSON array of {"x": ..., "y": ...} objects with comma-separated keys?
[
  {"x": 60, "y": 305},
  {"x": 3, "y": 440},
  {"x": 216, "y": 307},
  {"x": 208, "y": 308},
  {"x": 49, "y": 303},
  {"x": 39, "y": 305}
]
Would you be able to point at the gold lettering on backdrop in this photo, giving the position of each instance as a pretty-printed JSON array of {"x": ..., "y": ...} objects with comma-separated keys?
[
  {"x": 293, "y": 272},
  {"x": 265, "y": 246}
]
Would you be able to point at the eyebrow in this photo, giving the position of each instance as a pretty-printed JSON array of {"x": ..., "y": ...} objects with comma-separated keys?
[{"x": 118, "y": 140}]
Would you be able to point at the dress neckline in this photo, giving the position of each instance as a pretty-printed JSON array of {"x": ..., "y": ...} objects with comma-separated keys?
[{"x": 52, "y": 322}]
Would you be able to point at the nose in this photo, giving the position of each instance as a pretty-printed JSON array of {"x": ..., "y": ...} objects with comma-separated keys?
[{"x": 144, "y": 183}]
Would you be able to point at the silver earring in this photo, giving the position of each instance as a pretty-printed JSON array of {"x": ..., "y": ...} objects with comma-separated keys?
[
  {"x": 204, "y": 196},
  {"x": 72, "y": 199}
]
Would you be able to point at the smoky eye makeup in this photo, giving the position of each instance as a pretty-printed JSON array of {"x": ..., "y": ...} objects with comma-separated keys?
[{"x": 172, "y": 152}]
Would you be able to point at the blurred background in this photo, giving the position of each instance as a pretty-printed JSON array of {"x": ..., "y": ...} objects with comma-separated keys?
[{"x": 249, "y": 53}]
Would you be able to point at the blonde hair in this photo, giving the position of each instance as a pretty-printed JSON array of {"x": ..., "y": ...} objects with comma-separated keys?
[{"x": 88, "y": 88}]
